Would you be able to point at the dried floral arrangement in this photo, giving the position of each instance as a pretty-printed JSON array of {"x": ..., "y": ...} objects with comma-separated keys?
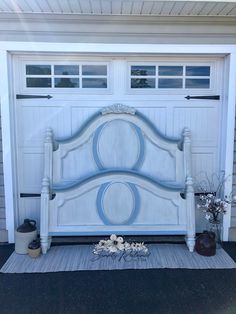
[
  {"x": 211, "y": 199},
  {"x": 116, "y": 244}
]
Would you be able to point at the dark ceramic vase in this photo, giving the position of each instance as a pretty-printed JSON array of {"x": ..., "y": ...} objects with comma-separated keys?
[
  {"x": 35, "y": 244},
  {"x": 29, "y": 225},
  {"x": 206, "y": 244}
]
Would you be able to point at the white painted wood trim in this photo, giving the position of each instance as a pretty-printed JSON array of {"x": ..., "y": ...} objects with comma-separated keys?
[
  {"x": 229, "y": 137},
  {"x": 7, "y": 145},
  {"x": 116, "y": 48}
]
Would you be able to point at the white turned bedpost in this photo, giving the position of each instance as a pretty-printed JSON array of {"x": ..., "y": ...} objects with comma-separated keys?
[
  {"x": 190, "y": 204},
  {"x": 189, "y": 192},
  {"x": 44, "y": 212},
  {"x": 46, "y": 191},
  {"x": 48, "y": 152}
]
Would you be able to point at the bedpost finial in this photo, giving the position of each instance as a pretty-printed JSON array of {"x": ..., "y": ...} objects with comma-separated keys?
[
  {"x": 48, "y": 136},
  {"x": 189, "y": 180},
  {"x": 186, "y": 132}
]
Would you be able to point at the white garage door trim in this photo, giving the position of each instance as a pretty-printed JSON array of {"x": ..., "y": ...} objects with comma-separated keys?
[{"x": 5, "y": 92}]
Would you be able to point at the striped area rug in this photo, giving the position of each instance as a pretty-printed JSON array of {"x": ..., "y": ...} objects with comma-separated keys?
[{"x": 81, "y": 257}]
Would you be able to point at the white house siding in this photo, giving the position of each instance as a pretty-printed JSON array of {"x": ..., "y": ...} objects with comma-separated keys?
[
  {"x": 117, "y": 29},
  {"x": 3, "y": 233},
  {"x": 232, "y": 233}
]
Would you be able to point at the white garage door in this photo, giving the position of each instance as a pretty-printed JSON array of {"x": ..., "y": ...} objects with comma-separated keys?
[{"x": 79, "y": 86}]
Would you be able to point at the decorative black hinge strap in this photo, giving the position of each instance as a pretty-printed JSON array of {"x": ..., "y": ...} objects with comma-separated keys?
[
  {"x": 33, "y": 195},
  {"x": 214, "y": 97},
  {"x": 30, "y": 195},
  {"x": 19, "y": 96}
]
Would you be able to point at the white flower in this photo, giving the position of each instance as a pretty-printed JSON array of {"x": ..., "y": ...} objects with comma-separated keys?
[
  {"x": 225, "y": 205},
  {"x": 208, "y": 216},
  {"x": 120, "y": 239},
  {"x": 116, "y": 243},
  {"x": 113, "y": 237},
  {"x": 126, "y": 246},
  {"x": 102, "y": 243}
]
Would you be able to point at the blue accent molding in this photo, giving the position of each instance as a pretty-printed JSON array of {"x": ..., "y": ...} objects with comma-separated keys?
[
  {"x": 95, "y": 147},
  {"x": 104, "y": 173},
  {"x": 100, "y": 208},
  {"x": 139, "y": 134}
]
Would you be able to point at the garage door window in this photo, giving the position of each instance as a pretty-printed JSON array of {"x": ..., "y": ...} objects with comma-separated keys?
[
  {"x": 81, "y": 76},
  {"x": 170, "y": 77},
  {"x": 66, "y": 76},
  {"x": 38, "y": 75},
  {"x": 143, "y": 76}
]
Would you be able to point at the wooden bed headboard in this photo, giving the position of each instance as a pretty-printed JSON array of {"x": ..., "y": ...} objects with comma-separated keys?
[{"x": 117, "y": 174}]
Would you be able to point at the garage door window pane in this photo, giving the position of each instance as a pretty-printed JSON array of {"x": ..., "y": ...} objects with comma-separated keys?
[
  {"x": 142, "y": 83},
  {"x": 197, "y": 71},
  {"x": 170, "y": 83},
  {"x": 143, "y": 70},
  {"x": 197, "y": 83},
  {"x": 38, "y": 69},
  {"x": 94, "y": 70},
  {"x": 66, "y": 70},
  {"x": 94, "y": 83},
  {"x": 170, "y": 70},
  {"x": 65, "y": 82},
  {"x": 38, "y": 82}
]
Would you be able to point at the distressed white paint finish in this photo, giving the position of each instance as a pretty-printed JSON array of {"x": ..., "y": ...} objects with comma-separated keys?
[
  {"x": 79, "y": 210},
  {"x": 163, "y": 163},
  {"x": 44, "y": 214},
  {"x": 82, "y": 157},
  {"x": 167, "y": 151},
  {"x": 160, "y": 210},
  {"x": 118, "y": 201},
  {"x": 123, "y": 142},
  {"x": 125, "y": 7}
]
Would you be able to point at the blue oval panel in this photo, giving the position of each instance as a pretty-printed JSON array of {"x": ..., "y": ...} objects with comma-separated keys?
[
  {"x": 118, "y": 203},
  {"x": 118, "y": 144}
]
